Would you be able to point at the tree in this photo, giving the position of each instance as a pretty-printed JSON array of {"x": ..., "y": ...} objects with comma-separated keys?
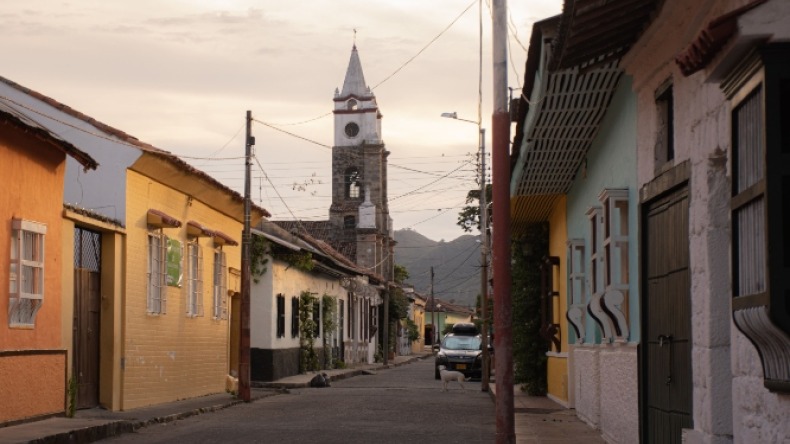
[
  {"x": 469, "y": 216},
  {"x": 401, "y": 274}
]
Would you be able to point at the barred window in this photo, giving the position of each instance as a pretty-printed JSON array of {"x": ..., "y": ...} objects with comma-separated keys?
[
  {"x": 157, "y": 273},
  {"x": 220, "y": 309},
  {"x": 294, "y": 317},
  {"x": 194, "y": 279},
  {"x": 27, "y": 272},
  {"x": 280, "y": 316}
]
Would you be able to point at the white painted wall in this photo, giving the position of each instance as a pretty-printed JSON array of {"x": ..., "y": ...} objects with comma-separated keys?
[
  {"x": 730, "y": 403},
  {"x": 291, "y": 282}
]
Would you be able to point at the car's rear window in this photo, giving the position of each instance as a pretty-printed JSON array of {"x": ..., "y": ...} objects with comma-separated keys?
[{"x": 461, "y": 343}]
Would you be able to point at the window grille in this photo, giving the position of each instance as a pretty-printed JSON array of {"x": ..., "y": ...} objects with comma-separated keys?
[
  {"x": 759, "y": 91},
  {"x": 294, "y": 317},
  {"x": 194, "y": 279},
  {"x": 577, "y": 288},
  {"x": 280, "y": 316},
  {"x": 157, "y": 273},
  {"x": 665, "y": 148},
  {"x": 220, "y": 310},
  {"x": 26, "y": 286}
]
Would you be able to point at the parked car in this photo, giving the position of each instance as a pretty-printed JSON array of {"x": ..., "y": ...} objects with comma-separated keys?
[{"x": 461, "y": 352}]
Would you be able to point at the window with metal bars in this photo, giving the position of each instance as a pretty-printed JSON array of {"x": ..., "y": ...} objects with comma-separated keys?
[
  {"x": 280, "y": 316},
  {"x": 294, "y": 317},
  {"x": 759, "y": 90},
  {"x": 194, "y": 279},
  {"x": 157, "y": 273},
  {"x": 220, "y": 309},
  {"x": 26, "y": 286}
]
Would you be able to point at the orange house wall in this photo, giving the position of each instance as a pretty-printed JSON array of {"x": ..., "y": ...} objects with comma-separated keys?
[{"x": 32, "y": 179}]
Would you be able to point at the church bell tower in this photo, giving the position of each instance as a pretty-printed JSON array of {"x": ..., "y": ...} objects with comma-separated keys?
[{"x": 359, "y": 212}]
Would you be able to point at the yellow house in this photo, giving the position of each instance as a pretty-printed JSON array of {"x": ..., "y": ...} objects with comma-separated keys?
[
  {"x": 151, "y": 255},
  {"x": 418, "y": 317},
  {"x": 33, "y": 360}
]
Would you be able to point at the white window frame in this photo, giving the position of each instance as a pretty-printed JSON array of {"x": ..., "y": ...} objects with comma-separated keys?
[
  {"x": 615, "y": 259},
  {"x": 220, "y": 308},
  {"x": 157, "y": 273},
  {"x": 578, "y": 295},
  {"x": 26, "y": 274},
  {"x": 194, "y": 278}
]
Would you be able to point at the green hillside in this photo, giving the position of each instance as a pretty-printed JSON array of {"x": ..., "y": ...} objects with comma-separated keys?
[{"x": 456, "y": 265}]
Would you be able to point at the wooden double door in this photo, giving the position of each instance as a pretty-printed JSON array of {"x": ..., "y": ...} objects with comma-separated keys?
[{"x": 666, "y": 320}]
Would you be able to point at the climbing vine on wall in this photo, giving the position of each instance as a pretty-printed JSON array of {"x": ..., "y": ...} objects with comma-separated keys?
[
  {"x": 529, "y": 349},
  {"x": 329, "y": 324},
  {"x": 259, "y": 251},
  {"x": 308, "y": 359}
]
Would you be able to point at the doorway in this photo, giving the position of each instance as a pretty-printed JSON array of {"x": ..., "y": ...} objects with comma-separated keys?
[{"x": 666, "y": 320}]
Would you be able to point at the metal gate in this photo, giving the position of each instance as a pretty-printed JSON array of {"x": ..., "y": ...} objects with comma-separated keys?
[
  {"x": 666, "y": 323},
  {"x": 87, "y": 311}
]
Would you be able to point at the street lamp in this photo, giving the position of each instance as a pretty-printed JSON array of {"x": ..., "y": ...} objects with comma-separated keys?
[{"x": 483, "y": 248}]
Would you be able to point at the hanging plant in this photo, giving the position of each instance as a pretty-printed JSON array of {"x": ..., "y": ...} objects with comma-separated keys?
[
  {"x": 301, "y": 261},
  {"x": 259, "y": 252}
]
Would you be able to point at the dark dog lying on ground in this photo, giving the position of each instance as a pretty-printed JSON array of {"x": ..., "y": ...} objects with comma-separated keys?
[{"x": 320, "y": 380}]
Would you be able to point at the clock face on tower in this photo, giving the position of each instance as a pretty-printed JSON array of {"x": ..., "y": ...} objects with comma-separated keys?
[{"x": 352, "y": 129}]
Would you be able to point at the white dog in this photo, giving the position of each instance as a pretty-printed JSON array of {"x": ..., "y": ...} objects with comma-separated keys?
[{"x": 448, "y": 376}]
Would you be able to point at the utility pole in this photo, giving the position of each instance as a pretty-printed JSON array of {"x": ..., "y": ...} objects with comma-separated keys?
[
  {"x": 244, "y": 337},
  {"x": 433, "y": 315},
  {"x": 484, "y": 261},
  {"x": 503, "y": 315},
  {"x": 386, "y": 332}
]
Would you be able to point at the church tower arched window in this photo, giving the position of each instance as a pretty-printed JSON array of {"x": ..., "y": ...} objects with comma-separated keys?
[{"x": 352, "y": 184}]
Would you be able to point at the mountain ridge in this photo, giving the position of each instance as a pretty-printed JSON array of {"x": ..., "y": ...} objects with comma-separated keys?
[{"x": 456, "y": 265}]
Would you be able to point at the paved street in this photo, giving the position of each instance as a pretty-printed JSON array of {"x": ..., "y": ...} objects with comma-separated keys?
[{"x": 393, "y": 406}]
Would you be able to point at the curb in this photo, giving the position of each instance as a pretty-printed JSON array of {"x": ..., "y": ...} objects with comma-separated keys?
[
  {"x": 119, "y": 427},
  {"x": 115, "y": 428}
]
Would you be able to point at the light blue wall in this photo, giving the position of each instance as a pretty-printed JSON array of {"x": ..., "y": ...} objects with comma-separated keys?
[{"x": 611, "y": 163}]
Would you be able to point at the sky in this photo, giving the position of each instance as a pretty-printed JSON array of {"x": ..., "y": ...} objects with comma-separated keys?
[{"x": 181, "y": 75}]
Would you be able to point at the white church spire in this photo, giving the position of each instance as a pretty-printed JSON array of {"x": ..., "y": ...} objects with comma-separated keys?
[{"x": 354, "y": 84}]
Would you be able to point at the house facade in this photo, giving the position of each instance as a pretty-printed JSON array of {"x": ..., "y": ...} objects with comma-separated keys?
[
  {"x": 343, "y": 307},
  {"x": 677, "y": 327},
  {"x": 154, "y": 250},
  {"x": 33, "y": 360},
  {"x": 710, "y": 160}
]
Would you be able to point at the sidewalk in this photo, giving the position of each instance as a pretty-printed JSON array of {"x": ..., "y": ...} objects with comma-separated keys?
[
  {"x": 540, "y": 420},
  {"x": 537, "y": 419},
  {"x": 97, "y": 423}
]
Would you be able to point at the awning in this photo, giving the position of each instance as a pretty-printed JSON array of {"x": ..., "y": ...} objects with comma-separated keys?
[
  {"x": 196, "y": 229},
  {"x": 221, "y": 239},
  {"x": 159, "y": 219}
]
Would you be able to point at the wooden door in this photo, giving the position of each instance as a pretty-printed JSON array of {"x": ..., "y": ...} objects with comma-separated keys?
[
  {"x": 666, "y": 320},
  {"x": 87, "y": 316}
]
